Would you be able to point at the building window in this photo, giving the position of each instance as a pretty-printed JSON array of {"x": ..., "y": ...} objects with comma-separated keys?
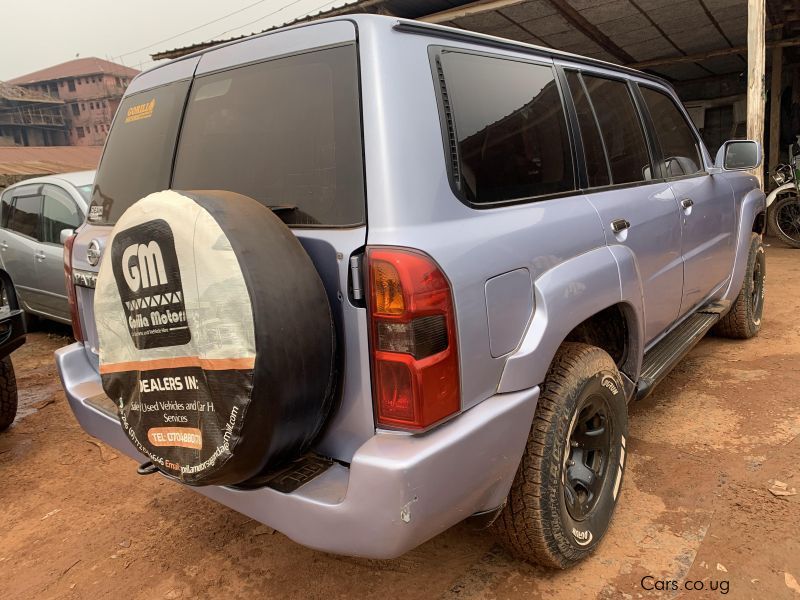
[
  {"x": 79, "y": 131},
  {"x": 116, "y": 79},
  {"x": 83, "y": 106},
  {"x": 71, "y": 85},
  {"x": 91, "y": 105},
  {"x": 76, "y": 110}
]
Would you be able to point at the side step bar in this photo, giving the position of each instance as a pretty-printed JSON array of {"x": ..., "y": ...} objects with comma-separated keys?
[{"x": 665, "y": 355}]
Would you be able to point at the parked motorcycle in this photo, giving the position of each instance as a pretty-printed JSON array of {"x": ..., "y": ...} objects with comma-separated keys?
[{"x": 783, "y": 203}]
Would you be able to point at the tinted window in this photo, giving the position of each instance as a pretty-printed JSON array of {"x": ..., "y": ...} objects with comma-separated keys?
[
  {"x": 621, "y": 129},
  {"x": 139, "y": 150},
  {"x": 593, "y": 151},
  {"x": 285, "y": 132},
  {"x": 59, "y": 212},
  {"x": 678, "y": 145},
  {"x": 510, "y": 128},
  {"x": 24, "y": 215}
]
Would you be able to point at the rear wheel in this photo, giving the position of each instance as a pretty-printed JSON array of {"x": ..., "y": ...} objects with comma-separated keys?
[
  {"x": 784, "y": 217},
  {"x": 567, "y": 484},
  {"x": 8, "y": 393},
  {"x": 743, "y": 320}
]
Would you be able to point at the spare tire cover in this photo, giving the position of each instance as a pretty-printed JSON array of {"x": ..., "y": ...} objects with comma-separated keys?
[{"x": 216, "y": 338}]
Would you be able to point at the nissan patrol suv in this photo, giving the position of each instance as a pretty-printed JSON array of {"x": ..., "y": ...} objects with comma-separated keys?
[{"x": 363, "y": 278}]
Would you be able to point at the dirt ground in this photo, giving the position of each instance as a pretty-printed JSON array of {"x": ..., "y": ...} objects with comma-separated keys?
[{"x": 76, "y": 521}]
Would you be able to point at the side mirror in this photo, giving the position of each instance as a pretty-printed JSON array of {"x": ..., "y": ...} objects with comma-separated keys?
[
  {"x": 739, "y": 155},
  {"x": 65, "y": 235}
]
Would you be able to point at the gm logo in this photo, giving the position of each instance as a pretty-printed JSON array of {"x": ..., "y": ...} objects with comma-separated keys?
[
  {"x": 148, "y": 279},
  {"x": 143, "y": 266}
]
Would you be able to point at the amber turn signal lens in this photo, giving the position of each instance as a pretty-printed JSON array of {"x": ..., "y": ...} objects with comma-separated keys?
[{"x": 387, "y": 289}]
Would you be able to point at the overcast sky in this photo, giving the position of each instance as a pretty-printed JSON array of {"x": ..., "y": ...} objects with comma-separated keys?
[{"x": 41, "y": 33}]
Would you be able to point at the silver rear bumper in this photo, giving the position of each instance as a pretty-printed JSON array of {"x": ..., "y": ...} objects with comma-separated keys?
[{"x": 399, "y": 491}]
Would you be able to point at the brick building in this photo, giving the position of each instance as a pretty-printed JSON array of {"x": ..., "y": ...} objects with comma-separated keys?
[
  {"x": 30, "y": 118},
  {"x": 90, "y": 88}
]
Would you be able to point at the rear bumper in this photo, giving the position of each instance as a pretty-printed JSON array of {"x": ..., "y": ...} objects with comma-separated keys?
[{"x": 398, "y": 492}]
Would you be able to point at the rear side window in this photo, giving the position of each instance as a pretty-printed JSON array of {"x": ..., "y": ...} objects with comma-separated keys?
[
  {"x": 138, "y": 156},
  {"x": 285, "y": 132},
  {"x": 621, "y": 128},
  {"x": 679, "y": 147},
  {"x": 24, "y": 215},
  {"x": 510, "y": 128},
  {"x": 597, "y": 167}
]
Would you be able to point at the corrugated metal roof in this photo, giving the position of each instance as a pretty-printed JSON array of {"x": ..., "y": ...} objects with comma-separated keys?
[
  {"x": 35, "y": 160},
  {"x": 75, "y": 68},
  {"x": 677, "y": 39},
  {"x": 408, "y": 9}
]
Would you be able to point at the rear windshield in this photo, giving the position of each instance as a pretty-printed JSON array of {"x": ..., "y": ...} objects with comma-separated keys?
[
  {"x": 138, "y": 154},
  {"x": 286, "y": 132}
]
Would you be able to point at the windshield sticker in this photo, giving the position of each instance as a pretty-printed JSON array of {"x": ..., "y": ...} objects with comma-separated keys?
[
  {"x": 140, "y": 111},
  {"x": 96, "y": 212}
]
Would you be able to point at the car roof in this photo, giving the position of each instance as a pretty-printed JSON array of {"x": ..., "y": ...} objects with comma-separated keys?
[{"x": 75, "y": 178}]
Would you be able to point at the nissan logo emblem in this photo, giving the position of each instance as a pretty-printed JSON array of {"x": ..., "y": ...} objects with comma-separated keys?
[{"x": 93, "y": 253}]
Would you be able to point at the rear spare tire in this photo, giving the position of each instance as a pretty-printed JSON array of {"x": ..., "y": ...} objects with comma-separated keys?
[{"x": 217, "y": 342}]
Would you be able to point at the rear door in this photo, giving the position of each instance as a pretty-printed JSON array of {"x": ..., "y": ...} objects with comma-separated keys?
[
  {"x": 706, "y": 202},
  {"x": 637, "y": 211},
  {"x": 276, "y": 118},
  {"x": 59, "y": 212},
  {"x": 19, "y": 242}
]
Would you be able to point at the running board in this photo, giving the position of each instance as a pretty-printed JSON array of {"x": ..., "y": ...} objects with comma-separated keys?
[{"x": 665, "y": 355}]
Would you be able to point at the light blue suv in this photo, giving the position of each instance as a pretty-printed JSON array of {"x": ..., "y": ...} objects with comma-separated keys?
[{"x": 363, "y": 278}]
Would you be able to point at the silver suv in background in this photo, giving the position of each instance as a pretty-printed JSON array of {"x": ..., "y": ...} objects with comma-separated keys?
[
  {"x": 363, "y": 278},
  {"x": 36, "y": 217}
]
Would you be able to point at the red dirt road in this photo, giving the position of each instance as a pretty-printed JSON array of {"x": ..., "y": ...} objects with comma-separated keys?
[{"x": 77, "y": 522}]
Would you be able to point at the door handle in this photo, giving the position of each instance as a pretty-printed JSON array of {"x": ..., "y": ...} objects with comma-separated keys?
[
  {"x": 618, "y": 225},
  {"x": 3, "y": 246},
  {"x": 40, "y": 256},
  {"x": 687, "y": 203}
]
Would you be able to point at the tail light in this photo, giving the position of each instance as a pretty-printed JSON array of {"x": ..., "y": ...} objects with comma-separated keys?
[
  {"x": 77, "y": 333},
  {"x": 413, "y": 336}
]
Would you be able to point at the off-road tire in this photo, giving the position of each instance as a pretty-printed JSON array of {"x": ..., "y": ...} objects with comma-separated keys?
[
  {"x": 8, "y": 393},
  {"x": 780, "y": 204},
  {"x": 535, "y": 524},
  {"x": 743, "y": 320}
]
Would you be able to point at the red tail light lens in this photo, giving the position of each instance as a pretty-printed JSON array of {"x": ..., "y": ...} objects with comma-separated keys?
[
  {"x": 413, "y": 336},
  {"x": 77, "y": 333}
]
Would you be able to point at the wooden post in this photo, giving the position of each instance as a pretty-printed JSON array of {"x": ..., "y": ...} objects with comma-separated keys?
[
  {"x": 756, "y": 24},
  {"x": 775, "y": 89}
]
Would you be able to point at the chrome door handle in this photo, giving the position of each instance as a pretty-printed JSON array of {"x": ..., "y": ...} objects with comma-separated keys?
[
  {"x": 687, "y": 203},
  {"x": 618, "y": 225},
  {"x": 40, "y": 256},
  {"x": 3, "y": 246}
]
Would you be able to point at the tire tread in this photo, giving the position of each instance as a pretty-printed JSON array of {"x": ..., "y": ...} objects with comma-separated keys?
[
  {"x": 524, "y": 525},
  {"x": 8, "y": 393}
]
